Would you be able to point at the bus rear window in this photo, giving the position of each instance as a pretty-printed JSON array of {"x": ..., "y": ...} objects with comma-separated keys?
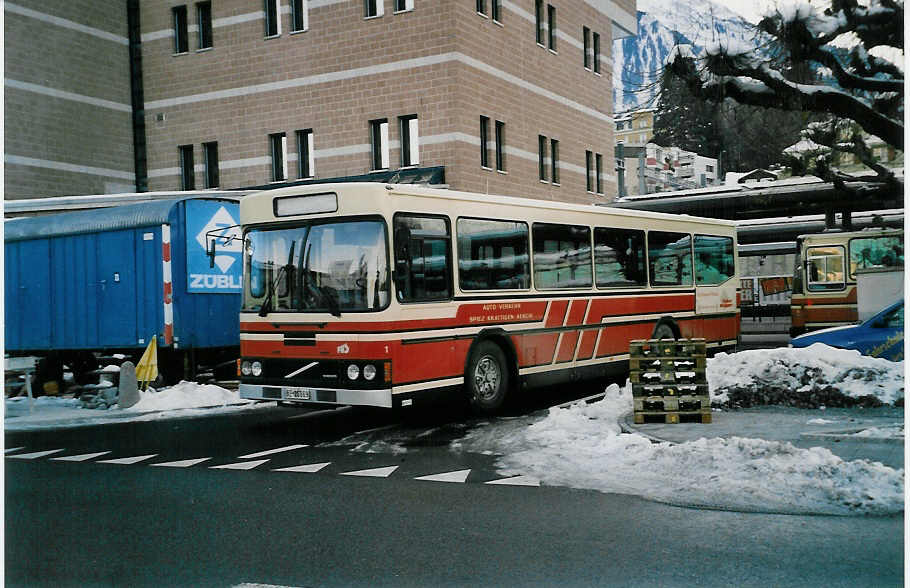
[{"x": 492, "y": 255}]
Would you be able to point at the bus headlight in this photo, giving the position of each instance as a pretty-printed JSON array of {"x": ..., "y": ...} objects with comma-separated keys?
[
  {"x": 353, "y": 372},
  {"x": 245, "y": 368},
  {"x": 256, "y": 368},
  {"x": 369, "y": 371}
]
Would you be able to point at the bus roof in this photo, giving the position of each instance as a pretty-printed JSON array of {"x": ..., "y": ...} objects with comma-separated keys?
[{"x": 442, "y": 193}]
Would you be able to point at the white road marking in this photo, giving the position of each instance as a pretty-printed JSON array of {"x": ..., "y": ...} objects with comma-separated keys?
[
  {"x": 83, "y": 457},
  {"x": 373, "y": 473},
  {"x": 243, "y": 465},
  {"x": 307, "y": 469},
  {"x": 128, "y": 460},
  {"x": 516, "y": 481},
  {"x": 183, "y": 463},
  {"x": 458, "y": 477},
  {"x": 13, "y": 449},
  {"x": 271, "y": 451},
  {"x": 35, "y": 455}
]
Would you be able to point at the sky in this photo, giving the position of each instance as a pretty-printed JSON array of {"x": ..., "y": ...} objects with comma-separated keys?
[{"x": 751, "y": 10}]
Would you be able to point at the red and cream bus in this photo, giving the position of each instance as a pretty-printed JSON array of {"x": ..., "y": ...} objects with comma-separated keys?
[
  {"x": 381, "y": 295},
  {"x": 824, "y": 281}
]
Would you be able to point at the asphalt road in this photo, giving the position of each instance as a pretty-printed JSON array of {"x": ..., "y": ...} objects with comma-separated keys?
[{"x": 88, "y": 523}]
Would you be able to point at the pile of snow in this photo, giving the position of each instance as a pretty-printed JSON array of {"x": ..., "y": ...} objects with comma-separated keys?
[
  {"x": 186, "y": 395},
  {"x": 895, "y": 432},
  {"x": 814, "y": 376},
  {"x": 582, "y": 446},
  {"x": 186, "y": 399}
]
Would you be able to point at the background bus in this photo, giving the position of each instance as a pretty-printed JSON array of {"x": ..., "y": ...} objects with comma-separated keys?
[
  {"x": 825, "y": 289},
  {"x": 367, "y": 294}
]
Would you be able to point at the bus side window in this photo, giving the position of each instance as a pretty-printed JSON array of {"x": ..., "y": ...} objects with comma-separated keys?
[
  {"x": 670, "y": 258},
  {"x": 492, "y": 255},
  {"x": 426, "y": 255}
]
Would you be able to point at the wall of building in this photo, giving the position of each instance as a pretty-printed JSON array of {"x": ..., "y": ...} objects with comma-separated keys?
[{"x": 67, "y": 111}]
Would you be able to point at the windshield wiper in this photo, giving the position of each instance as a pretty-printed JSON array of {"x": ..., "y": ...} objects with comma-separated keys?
[{"x": 266, "y": 307}]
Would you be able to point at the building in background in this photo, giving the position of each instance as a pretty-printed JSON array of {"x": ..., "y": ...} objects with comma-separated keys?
[
  {"x": 506, "y": 98},
  {"x": 650, "y": 168},
  {"x": 635, "y": 127}
]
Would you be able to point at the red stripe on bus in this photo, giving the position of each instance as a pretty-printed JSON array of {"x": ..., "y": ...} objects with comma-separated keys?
[
  {"x": 557, "y": 313},
  {"x": 570, "y": 338},
  {"x": 588, "y": 339}
]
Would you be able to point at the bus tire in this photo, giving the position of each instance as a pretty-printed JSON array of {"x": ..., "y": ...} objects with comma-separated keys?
[
  {"x": 487, "y": 378},
  {"x": 664, "y": 330}
]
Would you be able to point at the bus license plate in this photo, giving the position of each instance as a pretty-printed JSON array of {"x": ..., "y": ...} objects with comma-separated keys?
[{"x": 298, "y": 393}]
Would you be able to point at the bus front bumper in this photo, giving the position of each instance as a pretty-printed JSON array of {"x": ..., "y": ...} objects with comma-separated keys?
[{"x": 327, "y": 396}]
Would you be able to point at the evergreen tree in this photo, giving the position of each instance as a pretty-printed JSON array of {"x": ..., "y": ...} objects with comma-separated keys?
[{"x": 683, "y": 121}]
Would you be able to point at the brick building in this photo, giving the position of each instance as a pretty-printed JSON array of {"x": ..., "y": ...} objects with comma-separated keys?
[{"x": 510, "y": 98}]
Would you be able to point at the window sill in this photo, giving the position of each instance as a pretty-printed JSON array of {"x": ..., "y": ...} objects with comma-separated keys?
[
  {"x": 298, "y": 32},
  {"x": 405, "y": 11},
  {"x": 502, "y": 171},
  {"x": 380, "y": 170},
  {"x": 557, "y": 184},
  {"x": 409, "y": 166},
  {"x": 541, "y": 45},
  {"x": 482, "y": 14},
  {"x": 587, "y": 68},
  {"x": 372, "y": 17},
  {"x": 278, "y": 36},
  {"x": 544, "y": 181},
  {"x": 204, "y": 50},
  {"x": 278, "y": 181},
  {"x": 498, "y": 23},
  {"x": 179, "y": 54},
  {"x": 483, "y": 167},
  {"x": 553, "y": 51},
  {"x": 598, "y": 74}
]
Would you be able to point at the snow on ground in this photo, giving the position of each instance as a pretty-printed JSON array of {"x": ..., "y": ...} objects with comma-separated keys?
[
  {"x": 183, "y": 400},
  {"x": 582, "y": 446},
  {"x": 813, "y": 372}
]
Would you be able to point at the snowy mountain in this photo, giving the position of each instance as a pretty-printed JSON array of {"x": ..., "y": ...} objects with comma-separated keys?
[{"x": 637, "y": 61}]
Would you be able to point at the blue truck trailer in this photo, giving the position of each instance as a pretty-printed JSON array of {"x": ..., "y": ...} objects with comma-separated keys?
[{"x": 108, "y": 280}]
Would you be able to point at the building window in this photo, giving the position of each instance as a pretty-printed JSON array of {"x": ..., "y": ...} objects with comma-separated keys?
[
  {"x": 482, "y": 7},
  {"x": 500, "y": 146},
  {"x": 181, "y": 41},
  {"x": 372, "y": 8},
  {"x": 551, "y": 27},
  {"x": 187, "y": 173},
  {"x": 210, "y": 154},
  {"x": 542, "y": 158},
  {"x": 484, "y": 141},
  {"x": 404, "y": 5},
  {"x": 538, "y": 21},
  {"x": 300, "y": 15},
  {"x": 496, "y": 7},
  {"x": 278, "y": 142},
  {"x": 589, "y": 164},
  {"x": 586, "y": 33},
  {"x": 598, "y": 172},
  {"x": 554, "y": 160},
  {"x": 272, "y": 18},
  {"x": 410, "y": 140},
  {"x": 709, "y": 168},
  {"x": 204, "y": 17},
  {"x": 306, "y": 159},
  {"x": 379, "y": 143},
  {"x": 596, "y": 49}
]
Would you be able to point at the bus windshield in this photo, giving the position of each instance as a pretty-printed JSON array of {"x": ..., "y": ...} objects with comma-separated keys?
[{"x": 317, "y": 267}]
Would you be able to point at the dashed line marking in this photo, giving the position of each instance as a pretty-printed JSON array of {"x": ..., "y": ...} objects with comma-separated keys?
[
  {"x": 272, "y": 451},
  {"x": 83, "y": 457},
  {"x": 128, "y": 460},
  {"x": 243, "y": 465},
  {"x": 306, "y": 469},
  {"x": 183, "y": 463},
  {"x": 13, "y": 449},
  {"x": 516, "y": 481},
  {"x": 458, "y": 477},
  {"x": 373, "y": 473},
  {"x": 36, "y": 454}
]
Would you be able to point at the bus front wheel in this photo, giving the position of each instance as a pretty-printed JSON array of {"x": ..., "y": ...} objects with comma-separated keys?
[{"x": 487, "y": 378}]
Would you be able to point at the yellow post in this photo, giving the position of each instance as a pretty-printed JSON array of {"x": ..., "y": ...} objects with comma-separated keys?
[{"x": 147, "y": 368}]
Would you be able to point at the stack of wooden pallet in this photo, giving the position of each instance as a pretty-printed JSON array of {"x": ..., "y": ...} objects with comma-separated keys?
[{"x": 668, "y": 381}]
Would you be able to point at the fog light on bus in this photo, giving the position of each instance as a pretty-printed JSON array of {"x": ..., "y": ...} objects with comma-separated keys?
[
  {"x": 353, "y": 372},
  {"x": 369, "y": 371},
  {"x": 256, "y": 368},
  {"x": 245, "y": 368}
]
